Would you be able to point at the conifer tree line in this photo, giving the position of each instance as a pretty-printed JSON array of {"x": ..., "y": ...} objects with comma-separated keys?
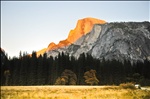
[{"x": 43, "y": 70}]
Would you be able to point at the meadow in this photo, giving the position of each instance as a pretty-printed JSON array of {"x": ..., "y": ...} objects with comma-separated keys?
[{"x": 72, "y": 92}]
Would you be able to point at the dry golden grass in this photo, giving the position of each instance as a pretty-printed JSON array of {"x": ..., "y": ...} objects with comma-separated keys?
[{"x": 71, "y": 92}]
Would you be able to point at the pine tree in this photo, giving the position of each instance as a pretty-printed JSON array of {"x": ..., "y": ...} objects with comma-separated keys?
[{"x": 33, "y": 70}]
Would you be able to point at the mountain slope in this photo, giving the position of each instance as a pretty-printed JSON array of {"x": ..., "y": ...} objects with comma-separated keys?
[
  {"x": 83, "y": 27},
  {"x": 41, "y": 52},
  {"x": 120, "y": 41}
]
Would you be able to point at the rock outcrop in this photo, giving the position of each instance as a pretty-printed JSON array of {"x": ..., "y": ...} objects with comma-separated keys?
[
  {"x": 120, "y": 41},
  {"x": 83, "y": 27}
]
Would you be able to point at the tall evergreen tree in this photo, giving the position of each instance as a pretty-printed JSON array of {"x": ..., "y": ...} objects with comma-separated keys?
[{"x": 32, "y": 80}]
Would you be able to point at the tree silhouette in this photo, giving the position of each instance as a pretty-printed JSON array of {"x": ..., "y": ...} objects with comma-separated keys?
[{"x": 43, "y": 70}]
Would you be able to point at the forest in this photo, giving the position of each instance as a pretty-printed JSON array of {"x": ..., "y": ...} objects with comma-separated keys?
[{"x": 43, "y": 70}]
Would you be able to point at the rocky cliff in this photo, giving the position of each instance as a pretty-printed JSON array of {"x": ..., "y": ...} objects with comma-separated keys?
[
  {"x": 83, "y": 27},
  {"x": 120, "y": 41}
]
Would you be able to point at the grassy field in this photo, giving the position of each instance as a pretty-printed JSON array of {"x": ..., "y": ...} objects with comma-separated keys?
[{"x": 71, "y": 92}]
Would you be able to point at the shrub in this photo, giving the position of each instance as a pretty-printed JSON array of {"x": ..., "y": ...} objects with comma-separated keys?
[
  {"x": 90, "y": 77},
  {"x": 60, "y": 81},
  {"x": 127, "y": 86},
  {"x": 68, "y": 77}
]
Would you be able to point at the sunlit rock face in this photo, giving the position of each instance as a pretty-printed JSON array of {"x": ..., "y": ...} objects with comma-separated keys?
[
  {"x": 41, "y": 52},
  {"x": 83, "y": 27},
  {"x": 120, "y": 41},
  {"x": 85, "y": 43},
  {"x": 52, "y": 46}
]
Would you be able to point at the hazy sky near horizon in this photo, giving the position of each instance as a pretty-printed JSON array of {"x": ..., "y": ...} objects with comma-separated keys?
[{"x": 32, "y": 25}]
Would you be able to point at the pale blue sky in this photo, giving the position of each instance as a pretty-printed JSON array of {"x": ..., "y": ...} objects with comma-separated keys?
[{"x": 32, "y": 25}]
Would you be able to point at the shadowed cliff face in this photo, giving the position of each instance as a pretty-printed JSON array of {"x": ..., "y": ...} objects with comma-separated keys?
[
  {"x": 120, "y": 41},
  {"x": 83, "y": 27}
]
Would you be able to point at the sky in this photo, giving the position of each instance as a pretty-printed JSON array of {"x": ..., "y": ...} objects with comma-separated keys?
[{"x": 32, "y": 25}]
